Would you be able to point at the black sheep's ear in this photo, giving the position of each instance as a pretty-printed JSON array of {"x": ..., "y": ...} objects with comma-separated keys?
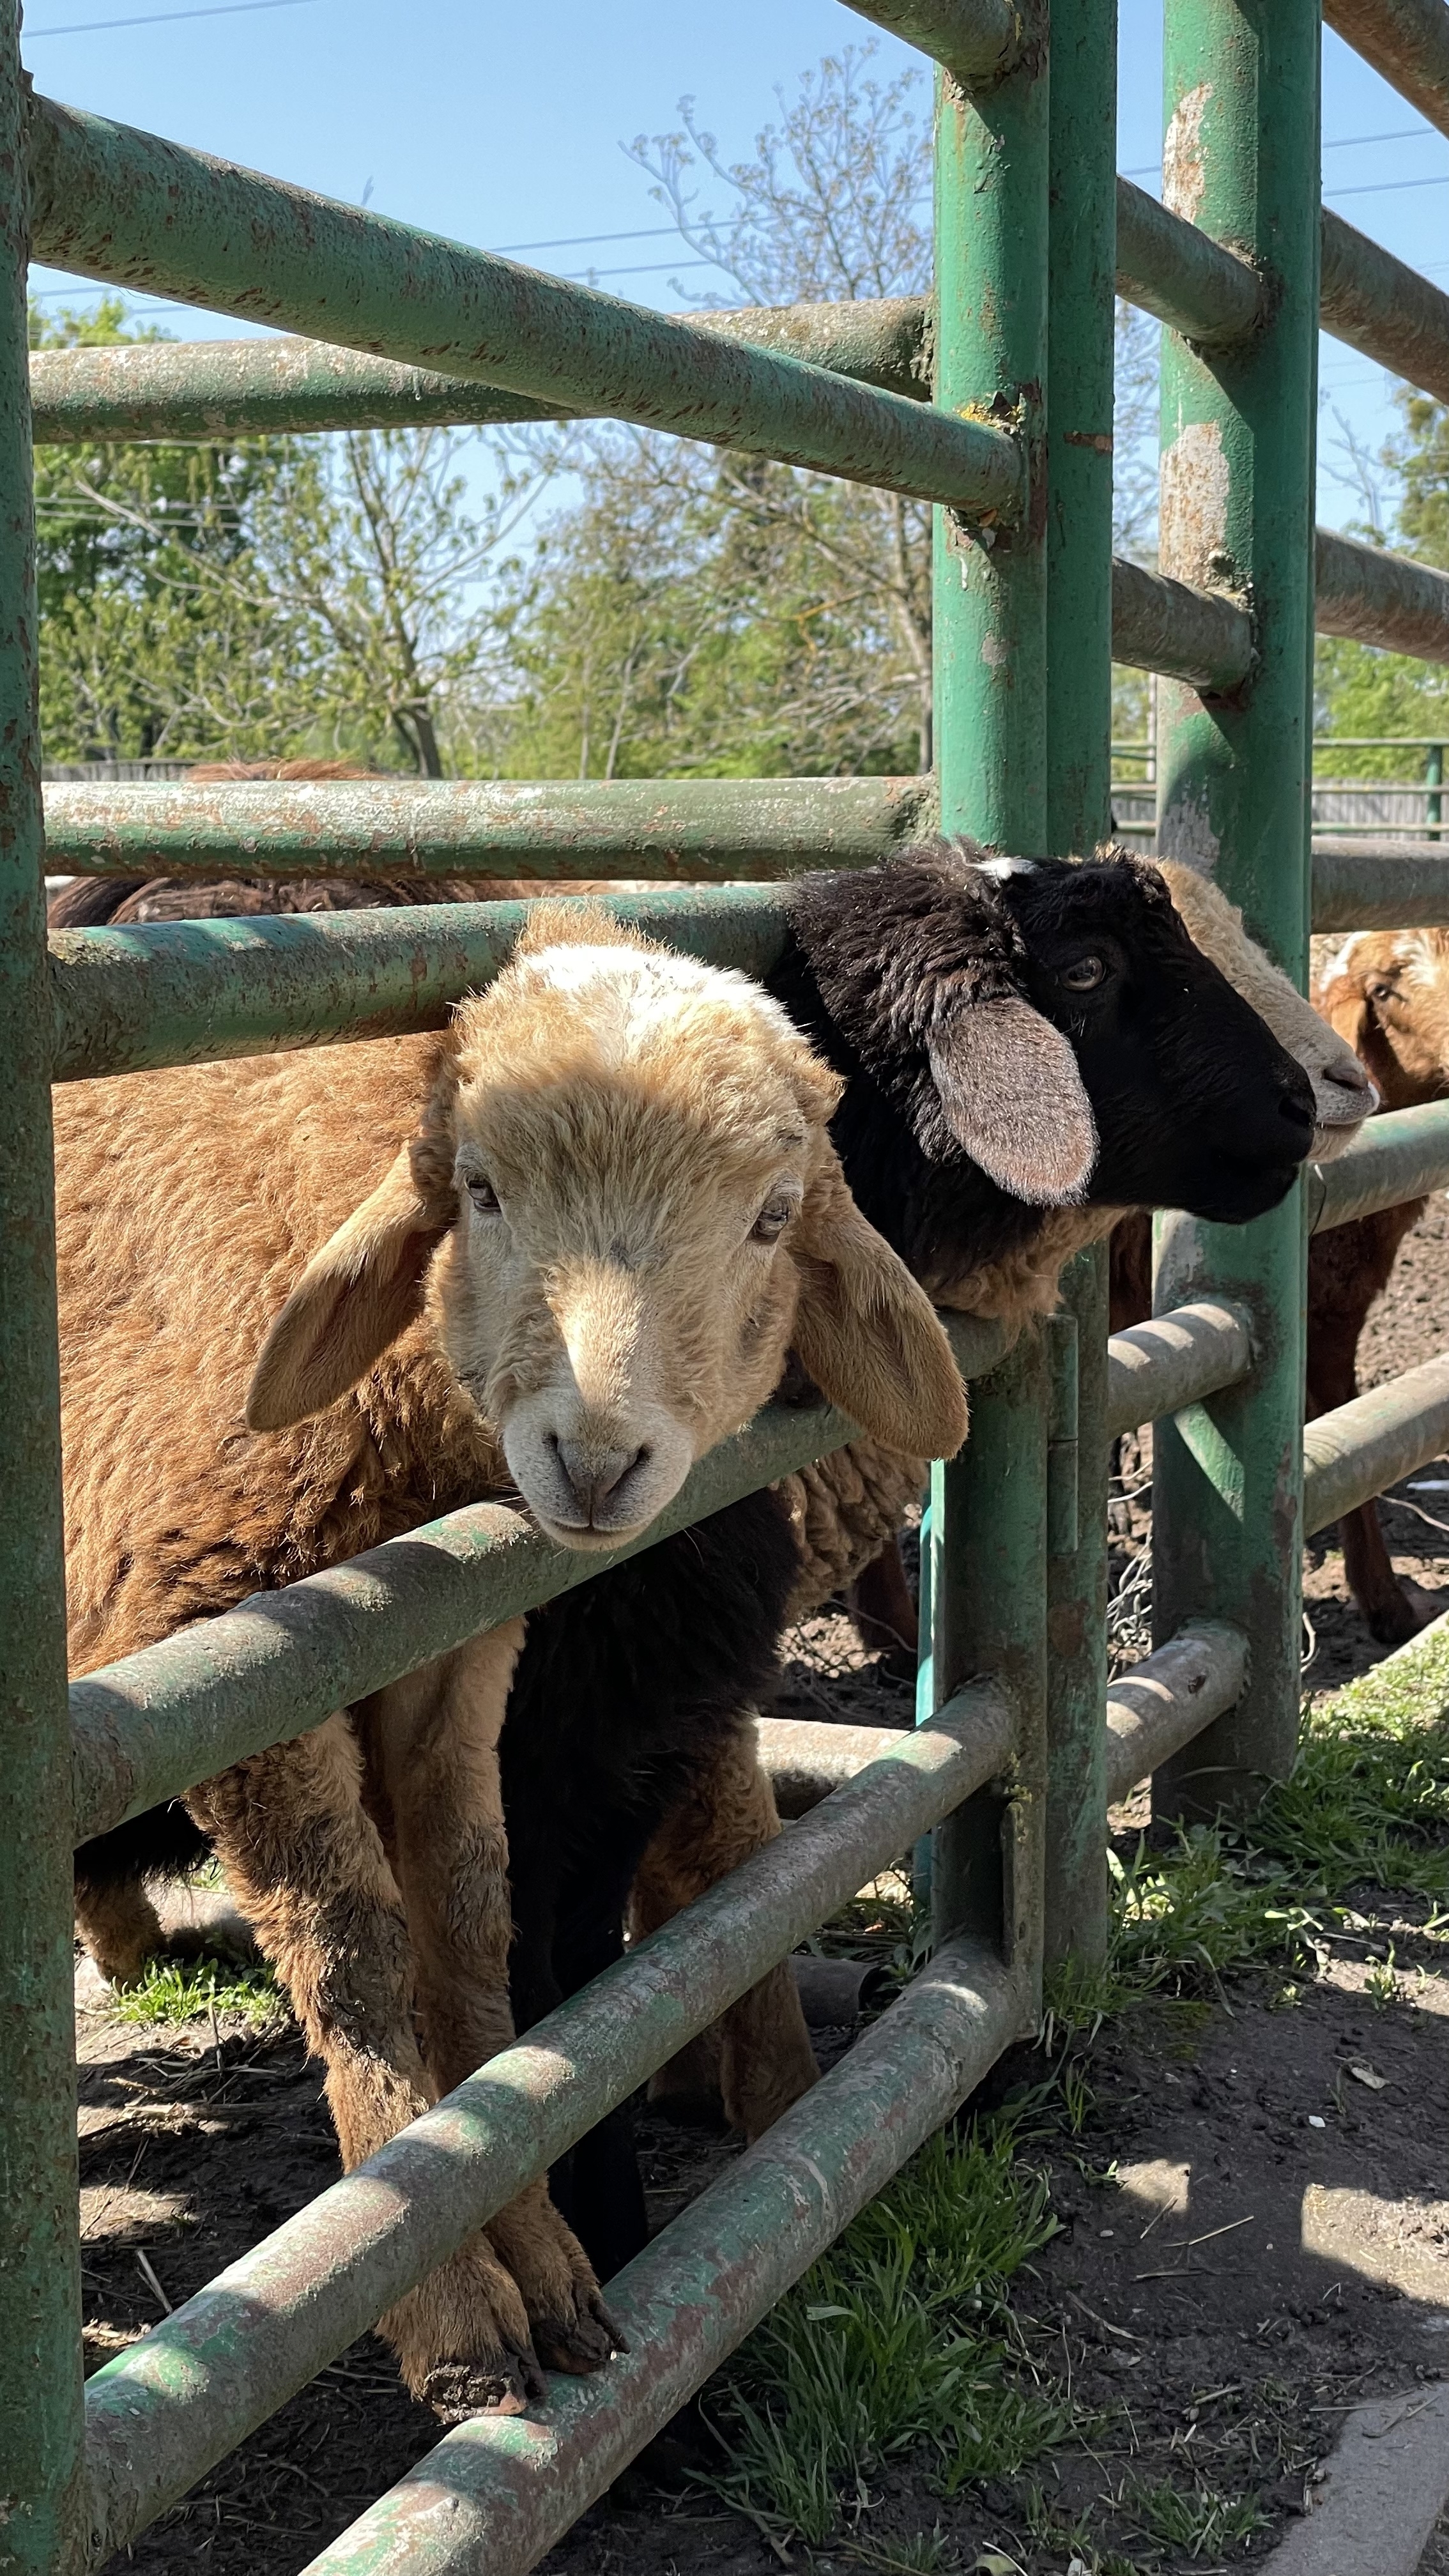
[{"x": 1011, "y": 1093}]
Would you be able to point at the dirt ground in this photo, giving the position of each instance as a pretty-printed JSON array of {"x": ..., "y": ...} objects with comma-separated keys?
[{"x": 1254, "y": 2228}]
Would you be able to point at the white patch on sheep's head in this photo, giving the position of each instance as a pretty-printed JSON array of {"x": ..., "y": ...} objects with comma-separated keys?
[{"x": 624, "y": 1210}]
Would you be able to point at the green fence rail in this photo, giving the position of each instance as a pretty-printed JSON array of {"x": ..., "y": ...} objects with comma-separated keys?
[{"x": 997, "y": 407}]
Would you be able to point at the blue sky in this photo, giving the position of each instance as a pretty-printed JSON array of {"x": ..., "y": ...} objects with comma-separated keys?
[{"x": 503, "y": 126}]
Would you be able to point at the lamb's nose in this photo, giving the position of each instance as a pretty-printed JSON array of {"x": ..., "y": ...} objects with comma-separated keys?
[{"x": 594, "y": 1474}]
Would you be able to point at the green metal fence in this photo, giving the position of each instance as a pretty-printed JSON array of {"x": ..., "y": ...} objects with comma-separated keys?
[{"x": 995, "y": 406}]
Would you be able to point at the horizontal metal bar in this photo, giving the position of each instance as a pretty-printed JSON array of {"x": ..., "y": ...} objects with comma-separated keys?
[
  {"x": 806, "y": 1760},
  {"x": 1381, "y": 305},
  {"x": 128, "y": 208},
  {"x": 690, "y": 829},
  {"x": 498, "y": 2495},
  {"x": 188, "y": 992},
  {"x": 167, "y": 2409},
  {"x": 146, "y": 1728},
  {"x": 244, "y": 388},
  {"x": 1174, "y": 1360},
  {"x": 1402, "y": 1154},
  {"x": 1201, "y": 636},
  {"x": 1380, "y": 598},
  {"x": 974, "y": 40},
  {"x": 1169, "y": 267},
  {"x": 1163, "y": 1702},
  {"x": 1361, "y": 1448},
  {"x": 1377, "y": 885},
  {"x": 1407, "y": 42}
]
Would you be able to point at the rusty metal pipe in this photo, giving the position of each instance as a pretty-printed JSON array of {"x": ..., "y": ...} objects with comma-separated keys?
[
  {"x": 1403, "y": 1154},
  {"x": 162, "y": 2413},
  {"x": 1360, "y": 1449},
  {"x": 209, "y": 389},
  {"x": 1407, "y": 42},
  {"x": 498, "y": 2493},
  {"x": 1377, "y": 885},
  {"x": 132, "y": 210},
  {"x": 1171, "y": 268},
  {"x": 1381, "y": 305},
  {"x": 1381, "y": 598},
  {"x": 1201, "y": 636},
  {"x": 1163, "y": 1702},
  {"x": 681, "y": 830},
  {"x": 1174, "y": 1360},
  {"x": 806, "y": 1760},
  {"x": 974, "y": 40}
]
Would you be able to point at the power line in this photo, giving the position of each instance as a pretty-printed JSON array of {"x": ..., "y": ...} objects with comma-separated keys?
[
  {"x": 1384, "y": 187},
  {"x": 165, "y": 18}
]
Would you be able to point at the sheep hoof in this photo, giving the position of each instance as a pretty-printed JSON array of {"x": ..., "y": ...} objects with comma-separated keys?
[
  {"x": 511, "y": 2385},
  {"x": 1392, "y": 1623},
  {"x": 581, "y": 2342}
]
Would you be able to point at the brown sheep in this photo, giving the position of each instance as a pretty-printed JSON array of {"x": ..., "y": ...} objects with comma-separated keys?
[
  {"x": 1385, "y": 994},
  {"x": 432, "y": 1352}
]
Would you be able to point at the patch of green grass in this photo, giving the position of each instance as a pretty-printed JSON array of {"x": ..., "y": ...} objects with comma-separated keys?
[
  {"x": 180, "y": 1990},
  {"x": 899, "y": 2336},
  {"x": 1195, "y": 2519}
]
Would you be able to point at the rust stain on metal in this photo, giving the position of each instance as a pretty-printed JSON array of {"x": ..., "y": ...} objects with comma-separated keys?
[
  {"x": 1184, "y": 173},
  {"x": 1196, "y": 492}
]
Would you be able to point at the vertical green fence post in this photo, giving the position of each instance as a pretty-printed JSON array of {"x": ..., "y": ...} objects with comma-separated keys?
[
  {"x": 1241, "y": 159},
  {"x": 1083, "y": 245},
  {"x": 40, "y": 2364},
  {"x": 988, "y": 1508}
]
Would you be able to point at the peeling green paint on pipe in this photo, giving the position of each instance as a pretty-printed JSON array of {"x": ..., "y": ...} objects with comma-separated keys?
[
  {"x": 133, "y": 210},
  {"x": 1381, "y": 598},
  {"x": 1175, "y": 1359},
  {"x": 1402, "y": 1154},
  {"x": 1382, "y": 306},
  {"x": 1166, "y": 1701},
  {"x": 1361, "y": 1448},
  {"x": 1240, "y": 158},
  {"x": 498, "y": 2492},
  {"x": 189, "y": 992},
  {"x": 1372, "y": 885},
  {"x": 165, "y": 2410},
  {"x": 245, "y": 388},
  {"x": 690, "y": 830},
  {"x": 1407, "y": 42},
  {"x": 40, "y": 2309},
  {"x": 1167, "y": 267},
  {"x": 1184, "y": 631},
  {"x": 973, "y": 40}
]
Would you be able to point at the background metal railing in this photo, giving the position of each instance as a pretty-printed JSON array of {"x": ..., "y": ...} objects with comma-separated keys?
[{"x": 1007, "y": 429}]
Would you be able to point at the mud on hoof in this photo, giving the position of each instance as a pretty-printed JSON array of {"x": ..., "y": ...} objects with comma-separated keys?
[{"x": 457, "y": 2390}]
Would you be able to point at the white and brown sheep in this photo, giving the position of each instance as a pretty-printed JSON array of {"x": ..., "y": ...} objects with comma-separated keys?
[{"x": 563, "y": 1251}]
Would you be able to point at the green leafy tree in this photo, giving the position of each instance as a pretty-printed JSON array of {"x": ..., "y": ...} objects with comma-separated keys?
[{"x": 1360, "y": 690}]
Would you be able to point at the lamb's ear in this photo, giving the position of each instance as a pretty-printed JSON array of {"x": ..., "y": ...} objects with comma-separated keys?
[
  {"x": 353, "y": 1299},
  {"x": 1010, "y": 1089},
  {"x": 866, "y": 1333}
]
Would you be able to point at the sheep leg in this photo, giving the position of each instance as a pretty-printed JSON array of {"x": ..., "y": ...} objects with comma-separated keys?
[
  {"x": 433, "y": 1738},
  {"x": 757, "y": 2059},
  {"x": 1392, "y": 1609},
  {"x": 120, "y": 1928},
  {"x": 883, "y": 1610},
  {"x": 308, "y": 1870}
]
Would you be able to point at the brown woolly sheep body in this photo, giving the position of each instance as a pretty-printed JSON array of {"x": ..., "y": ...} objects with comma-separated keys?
[{"x": 618, "y": 1206}]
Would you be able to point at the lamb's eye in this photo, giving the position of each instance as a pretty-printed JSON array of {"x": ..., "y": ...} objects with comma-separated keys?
[
  {"x": 1381, "y": 993},
  {"x": 773, "y": 1218},
  {"x": 1084, "y": 974},
  {"x": 482, "y": 1193}
]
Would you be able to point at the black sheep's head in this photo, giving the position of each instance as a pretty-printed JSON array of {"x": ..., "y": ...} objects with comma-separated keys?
[{"x": 1052, "y": 1022}]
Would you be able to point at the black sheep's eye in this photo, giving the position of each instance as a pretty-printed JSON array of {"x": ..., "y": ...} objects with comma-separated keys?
[
  {"x": 482, "y": 1193},
  {"x": 772, "y": 1220},
  {"x": 1084, "y": 974}
]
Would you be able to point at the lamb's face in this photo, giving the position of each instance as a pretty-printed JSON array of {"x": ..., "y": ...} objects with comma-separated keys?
[
  {"x": 1387, "y": 995},
  {"x": 635, "y": 1136}
]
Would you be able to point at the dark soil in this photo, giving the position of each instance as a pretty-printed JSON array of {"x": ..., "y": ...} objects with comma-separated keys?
[{"x": 1229, "y": 2276}]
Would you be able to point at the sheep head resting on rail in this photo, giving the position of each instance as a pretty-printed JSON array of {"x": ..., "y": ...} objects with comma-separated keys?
[
  {"x": 569, "y": 1246},
  {"x": 620, "y": 1209}
]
